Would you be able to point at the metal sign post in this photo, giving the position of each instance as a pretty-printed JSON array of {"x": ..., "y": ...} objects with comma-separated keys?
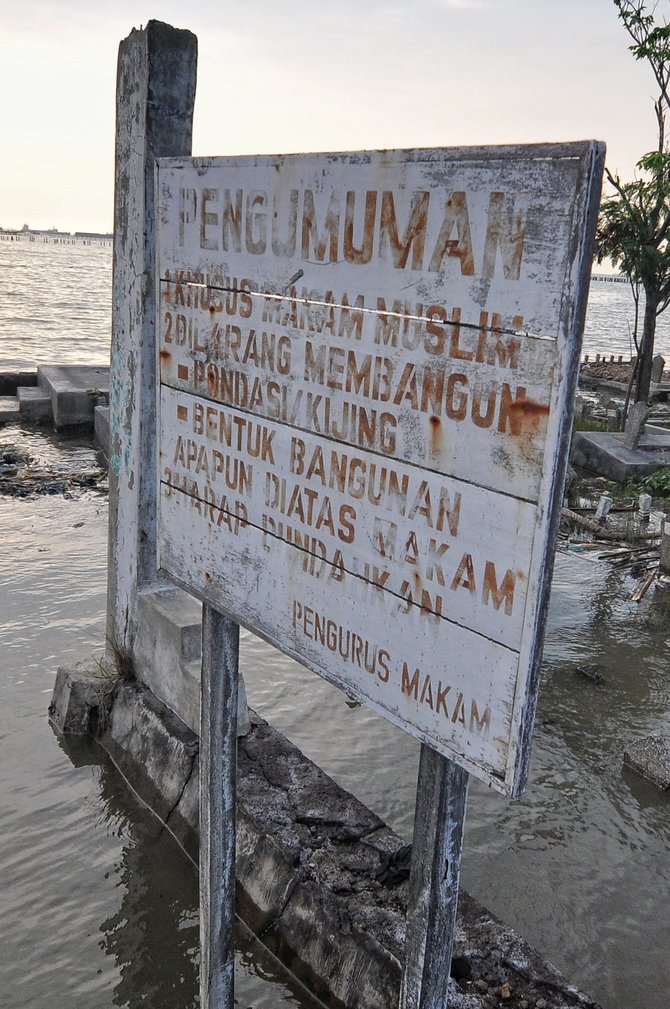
[
  {"x": 368, "y": 364},
  {"x": 439, "y": 822},
  {"x": 218, "y": 765}
]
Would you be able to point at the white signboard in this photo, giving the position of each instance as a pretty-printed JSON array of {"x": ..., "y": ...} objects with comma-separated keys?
[{"x": 367, "y": 367}]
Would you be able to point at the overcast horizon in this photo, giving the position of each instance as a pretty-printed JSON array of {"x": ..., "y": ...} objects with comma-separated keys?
[{"x": 323, "y": 77}]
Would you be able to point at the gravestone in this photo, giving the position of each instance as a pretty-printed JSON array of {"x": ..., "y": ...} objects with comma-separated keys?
[
  {"x": 637, "y": 418},
  {"x": 657, "y": 366},
  {"x": 603, "y": 509}
]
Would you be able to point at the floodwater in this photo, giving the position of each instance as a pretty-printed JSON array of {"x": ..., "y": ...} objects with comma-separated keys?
[
  {"x": 66, "y": 317},
  {"x": 579, "y": 865},
  {"x": 98, "y": 903}
]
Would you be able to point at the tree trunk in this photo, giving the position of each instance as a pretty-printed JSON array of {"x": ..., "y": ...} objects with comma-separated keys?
[{"x": 646, "y": 346}]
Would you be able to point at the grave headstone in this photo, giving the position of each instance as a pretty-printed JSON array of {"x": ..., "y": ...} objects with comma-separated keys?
[
  {"x": 657, "y": 366},
  {"x": 603, "y": 509},
  {"x": 637, "y": 418},
  {"x": 644, "y": 513}
]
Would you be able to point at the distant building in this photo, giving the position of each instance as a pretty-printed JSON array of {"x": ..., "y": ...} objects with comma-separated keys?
[{"x": 28, "y": 234}]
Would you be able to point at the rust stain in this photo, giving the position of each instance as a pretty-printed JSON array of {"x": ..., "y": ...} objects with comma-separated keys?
[
  {"x": 435, "y": 434},
  {"x": 212, "y": 382},
  {"x": 208, "y": 577},
  {"x": 165, "y": 355},
  {"x": 529, "y": 407},
  {"x": 527, "y": 416}
]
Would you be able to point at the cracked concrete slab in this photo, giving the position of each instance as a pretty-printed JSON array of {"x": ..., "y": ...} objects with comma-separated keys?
[{"x": 650, "y": 757}]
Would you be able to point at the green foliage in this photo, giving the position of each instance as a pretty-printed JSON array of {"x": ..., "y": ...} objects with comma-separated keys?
[
  {"x": 588, "y": 424},
  {"x": 650, "y": 41},
  {"x": 658, "y": 483},
  {"x": 634, "y": 224}
]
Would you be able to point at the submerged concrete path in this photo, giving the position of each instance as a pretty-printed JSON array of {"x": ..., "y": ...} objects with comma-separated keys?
[{"x": 63, "y": 394}]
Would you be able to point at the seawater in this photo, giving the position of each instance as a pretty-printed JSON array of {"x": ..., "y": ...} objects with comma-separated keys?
[
  {"x": 55, "y": 307},
  {"x": 98, "y": 904},
  {"x": 96, "y": 901},
  {"x": 55, "y": 303}
]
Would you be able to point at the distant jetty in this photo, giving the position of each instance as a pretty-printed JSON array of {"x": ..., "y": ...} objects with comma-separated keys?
[
  {"x": 609, "y": 278},
  {"x": 54, "y": 236}
]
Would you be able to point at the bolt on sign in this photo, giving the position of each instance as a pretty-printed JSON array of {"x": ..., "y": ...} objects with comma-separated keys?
[{"x": 367, "y": 368}]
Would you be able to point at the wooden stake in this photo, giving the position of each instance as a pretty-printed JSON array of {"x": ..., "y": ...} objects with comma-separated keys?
[
  {"x": 433, "y": 889},
  {"x": 218, "y": 763}
]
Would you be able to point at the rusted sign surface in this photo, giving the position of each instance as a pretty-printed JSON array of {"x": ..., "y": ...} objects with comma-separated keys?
[{"x": 367, "y": 367}]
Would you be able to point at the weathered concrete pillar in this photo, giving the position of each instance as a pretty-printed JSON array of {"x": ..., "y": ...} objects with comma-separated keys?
[
  {"x": 151, "y": 625},
  {"x": 154, "y": 115},
  {"x": 664, "y": 557}
]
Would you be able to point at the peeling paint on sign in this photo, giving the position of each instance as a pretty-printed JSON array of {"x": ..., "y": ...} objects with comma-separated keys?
[{"x": 366, "y": 365}]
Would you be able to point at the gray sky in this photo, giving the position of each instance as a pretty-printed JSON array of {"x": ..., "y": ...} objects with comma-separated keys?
[{"x": 310, "y": 76}]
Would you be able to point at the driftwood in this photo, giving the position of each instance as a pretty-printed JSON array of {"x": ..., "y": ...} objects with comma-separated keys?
[
  {"x": 28, "y": 481},
  {"x": 646, "y": 582},
  {"x": 599, "y": 531}
]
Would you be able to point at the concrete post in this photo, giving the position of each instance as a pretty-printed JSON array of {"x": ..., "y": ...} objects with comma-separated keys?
[
  {"x": 151, "y": 625},
  {"x": 154, "y": 115},
  {"x": 603, "y": 509},
  {"x": 664, "y": 558}
]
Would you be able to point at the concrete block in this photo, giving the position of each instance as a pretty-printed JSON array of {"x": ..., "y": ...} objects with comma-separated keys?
[
  {"x": 184, "y": 820},
  {"x": 322, "y": 803},
  {"x": 650, "y": 757},
  {"x": 34, "y": 404},
  {"x": 359, "y": 971},
  {"x": 81, "y": 699},
  {"x": 167, "y": 649},
  {"x": 151, "y": 746},
  {"x": 9, "y": 410},
  {"x": 75, "y": 391},
  {"x": 604, "y": 453},
  {"x": 265, "y": 876},
  {"x": 101, "y": 429}
]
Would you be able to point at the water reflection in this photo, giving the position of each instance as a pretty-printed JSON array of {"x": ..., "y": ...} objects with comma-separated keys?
[
  {"x": 578, "y": 866},
  {"x": 152, "y": 934},
  {"x": 96, "y": 899}
]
